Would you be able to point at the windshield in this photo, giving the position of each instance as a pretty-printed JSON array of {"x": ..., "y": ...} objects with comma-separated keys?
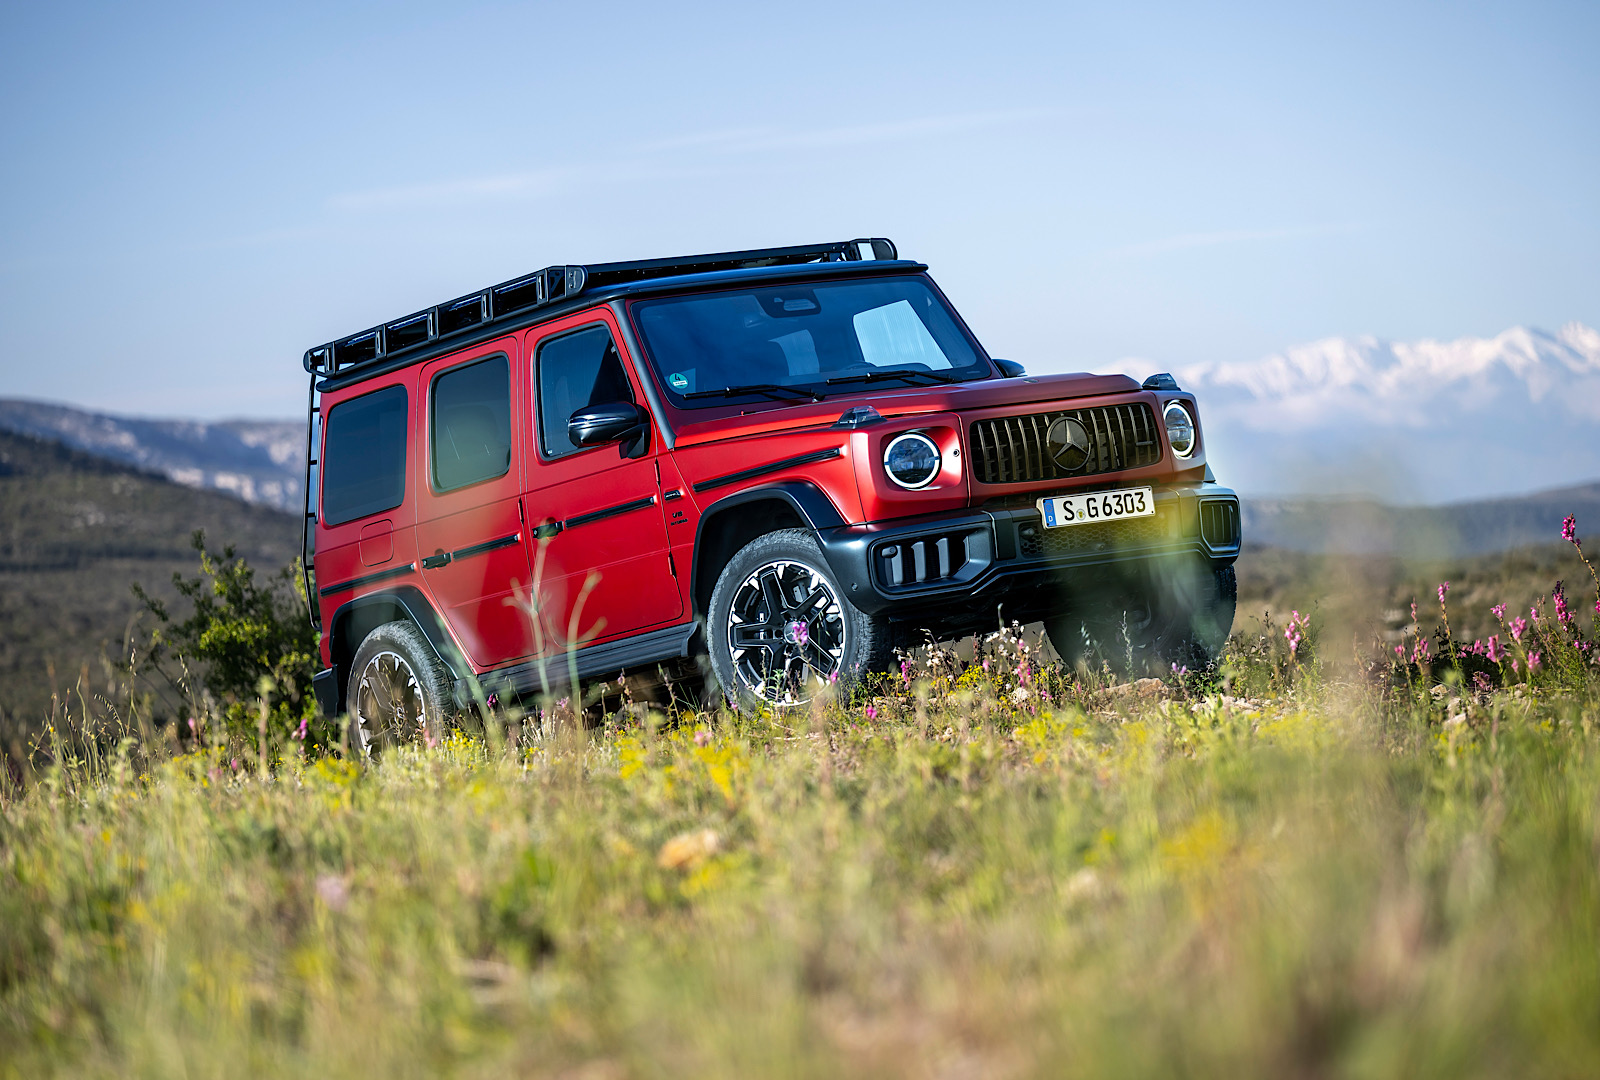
[{"x": 803, "y": 341}]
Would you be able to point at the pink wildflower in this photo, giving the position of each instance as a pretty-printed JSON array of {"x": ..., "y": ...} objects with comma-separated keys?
[
  {"x": 1564, "y": 615},
  {"x": 1294, "y": 633},
  {"x": 1419, "y": 654},
  {"x": 702, "y": 737},
  {"x": 1495, "y": 652},
  {"x": 300, "y": 732},
  {"x": 1499, "y": 612},
  {"x": 1519, "y": 626},
  {"x": 872, "y": 712},
  {"x": 1400, "y": 651},
  {"x": 1533, "y": 662},
  {"x": 1443, "y": 588},
  {"x": 1569, "y": 529}
]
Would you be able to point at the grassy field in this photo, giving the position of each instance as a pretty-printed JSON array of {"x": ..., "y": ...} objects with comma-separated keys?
[{"x": 1299, "y": 866}]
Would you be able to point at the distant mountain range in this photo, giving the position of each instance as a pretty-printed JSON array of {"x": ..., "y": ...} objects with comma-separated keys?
[
  {"x": 1345, "y": 428},
  {"x": 1421, "y": 422},
  {"x": 1358, "y": 526},
  {"x": 259, "y": 461}
]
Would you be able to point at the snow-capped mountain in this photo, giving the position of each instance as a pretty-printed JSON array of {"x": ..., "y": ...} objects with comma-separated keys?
[
  {"x": 1417, "y": 422},
  {"x": 259, "y": 461},
  {"x": 1426, "y": 421}
]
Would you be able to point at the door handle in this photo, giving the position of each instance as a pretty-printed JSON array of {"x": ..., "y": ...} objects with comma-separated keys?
[
  {"x": 436, "y": 560},
  {"x": 547, "y": 530}
]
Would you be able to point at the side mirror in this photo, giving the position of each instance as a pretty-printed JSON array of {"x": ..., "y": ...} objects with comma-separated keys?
[
  {"x": 613, "y": 421},
  {"x": 1010, "y": 369}
]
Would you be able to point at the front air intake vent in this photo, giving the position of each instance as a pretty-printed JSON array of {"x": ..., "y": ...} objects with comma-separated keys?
[
  {"x": 1219, "y": 523},
  {"x": 1016, "y": 449}
]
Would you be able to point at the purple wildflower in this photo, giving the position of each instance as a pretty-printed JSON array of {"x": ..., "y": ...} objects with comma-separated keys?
[
  {"x": 1495, "y": 652},
  {"x": 1499, "y": 612},
  {"x": 1569, "y": 529},
  {"x": 872, "y": 712},
  {"x": 1533, "y": 662},
  {"x": 1295, "y": 632},
  {"x": 1519, "y": 626},
  {"x": 1564, "y": 615}
]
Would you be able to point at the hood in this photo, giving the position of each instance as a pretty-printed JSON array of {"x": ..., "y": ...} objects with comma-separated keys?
[{"x": 759, "y": 418}]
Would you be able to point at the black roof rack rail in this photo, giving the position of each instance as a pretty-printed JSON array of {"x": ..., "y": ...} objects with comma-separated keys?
[{"x": 542, "y": 288}]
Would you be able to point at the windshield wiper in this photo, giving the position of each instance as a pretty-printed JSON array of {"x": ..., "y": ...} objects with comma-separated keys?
[
  {"x": 770, "y": 389},
  {"x": 875, "y": 376}
]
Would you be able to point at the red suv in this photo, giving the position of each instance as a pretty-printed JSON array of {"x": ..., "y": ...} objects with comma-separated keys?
[{"x": 791, "y": 460}]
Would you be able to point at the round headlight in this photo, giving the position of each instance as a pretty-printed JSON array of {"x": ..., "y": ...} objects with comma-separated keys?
[
  {"x": 1180, "y": 428},
  {"x": 911, "y": 460}
]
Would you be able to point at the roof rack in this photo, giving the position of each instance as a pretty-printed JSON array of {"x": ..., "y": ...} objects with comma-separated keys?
[{"x": 542, "y": 288}]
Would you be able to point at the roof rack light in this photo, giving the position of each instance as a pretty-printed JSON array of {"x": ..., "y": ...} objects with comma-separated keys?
[{"x": 557, "y": 283}]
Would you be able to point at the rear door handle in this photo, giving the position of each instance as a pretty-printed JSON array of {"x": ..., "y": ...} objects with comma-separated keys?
[{"x": 436, "y": 560}]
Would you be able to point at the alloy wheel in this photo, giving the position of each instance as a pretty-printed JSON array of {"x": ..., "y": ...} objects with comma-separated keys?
[
  {"x": 785, "y": 631},
  {"x": 387, "y": 707}
]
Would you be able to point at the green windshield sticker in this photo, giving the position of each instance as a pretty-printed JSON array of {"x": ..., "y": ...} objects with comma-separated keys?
[{"x": 678, "y": 381}]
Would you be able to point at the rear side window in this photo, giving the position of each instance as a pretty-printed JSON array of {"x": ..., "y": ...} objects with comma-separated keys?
[
  {"x": 575, "y": 371},
  {"x": 364, "y": 457},
  {"x": 472, "y": 424}
]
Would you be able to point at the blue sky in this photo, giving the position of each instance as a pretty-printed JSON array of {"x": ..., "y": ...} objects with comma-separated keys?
[{"x": 194, "y": 195}]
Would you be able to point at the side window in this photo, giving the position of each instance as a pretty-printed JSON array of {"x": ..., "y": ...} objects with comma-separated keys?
[
  {"x": 471, "y": 424},
  {"x": 364, "y": 456},
  {"x": 574, "y": 371}
]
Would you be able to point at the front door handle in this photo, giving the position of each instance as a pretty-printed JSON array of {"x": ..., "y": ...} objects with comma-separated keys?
[{"x": 436, "y": 560}]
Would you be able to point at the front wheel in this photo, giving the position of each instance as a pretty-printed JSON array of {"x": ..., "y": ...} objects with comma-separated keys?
[{"x": 780, "y": 627}]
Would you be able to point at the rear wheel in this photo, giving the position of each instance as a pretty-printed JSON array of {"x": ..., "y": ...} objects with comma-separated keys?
[
  {"x": 398, "y": 689},
  {"x": 1182, "y": 619},
  {"x": 780, "y": 628}
]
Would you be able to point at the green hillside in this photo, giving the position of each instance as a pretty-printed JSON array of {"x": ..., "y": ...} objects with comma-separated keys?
[{"x": 75, "y": 533}]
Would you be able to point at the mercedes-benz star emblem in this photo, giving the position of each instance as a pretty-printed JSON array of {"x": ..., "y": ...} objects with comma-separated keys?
[{"x": 1068, "y": 442}]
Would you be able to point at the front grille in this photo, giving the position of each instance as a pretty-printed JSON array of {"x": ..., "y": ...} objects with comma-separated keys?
[
  {"x": 1012, "y": 449},
  {"x": 1219, "y": 522},
  {"x": 1035, "y": 541}
]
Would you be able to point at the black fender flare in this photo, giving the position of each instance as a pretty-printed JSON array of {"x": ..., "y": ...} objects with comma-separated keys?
[
  {"x": 356, "y": 618},
  {"x": 809, "y": 503}
]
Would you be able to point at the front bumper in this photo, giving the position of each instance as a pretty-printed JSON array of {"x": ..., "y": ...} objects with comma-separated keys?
[{"x": 956, "y": 569}]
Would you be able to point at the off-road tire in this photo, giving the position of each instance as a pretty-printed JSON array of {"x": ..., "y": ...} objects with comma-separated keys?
[
  {"x": 1183, "y": 622},
  {"x": 395, "y": 658},
  {"x": 853, "y": 642}
]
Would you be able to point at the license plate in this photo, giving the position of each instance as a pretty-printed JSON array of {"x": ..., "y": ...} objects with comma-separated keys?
[{"x": 1060, "y": 510}]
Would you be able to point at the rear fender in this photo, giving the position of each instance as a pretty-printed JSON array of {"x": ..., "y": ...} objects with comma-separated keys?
[{"x": 357, "y": 618}]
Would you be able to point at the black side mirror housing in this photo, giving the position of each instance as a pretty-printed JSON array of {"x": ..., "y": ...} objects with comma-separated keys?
[
  {"x": 1010, "y": 369},
  {"x": 613, "y": 421}
]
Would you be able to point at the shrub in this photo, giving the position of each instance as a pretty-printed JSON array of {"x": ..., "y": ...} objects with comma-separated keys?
[{"x": 249, "y": 642}]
